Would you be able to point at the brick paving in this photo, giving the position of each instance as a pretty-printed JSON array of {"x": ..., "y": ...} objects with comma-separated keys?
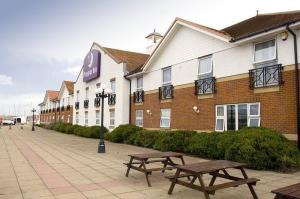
[{"x": 45, "y": 164}]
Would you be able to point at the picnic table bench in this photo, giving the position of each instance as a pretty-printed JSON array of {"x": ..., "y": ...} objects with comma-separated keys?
[
  {"x": 289, "y": 192},
  {"x": 139, "y": 161},
  {"x": 213, "y": 168}
]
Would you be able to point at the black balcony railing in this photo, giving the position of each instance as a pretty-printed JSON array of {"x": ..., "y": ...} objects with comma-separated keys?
[
  {"x": 165, "y": 92},
  {"x": 53, "y": 110},
  {"x": 266, "y": 76},
  {"x": 57, "y": 109},
  {"x": 68, "y": 107},
  {"x": 86, "y": 103},
  {"x": 112, "y": 99},
  {"x": 62, "y": 108},
  {"x": 97, "y": 101},
  {"x": 138, "y": 96},
  {"x": 50, "y": 110},
  {"x": 76, "y": 105},
  {"x": 205, "y": 86}
]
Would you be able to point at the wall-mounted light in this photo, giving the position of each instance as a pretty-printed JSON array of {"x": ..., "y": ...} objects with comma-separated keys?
[
  {"x": 196, "y": 109},
  {"x": 149, "y": 112},
  {"x": 284, "y": 36}
]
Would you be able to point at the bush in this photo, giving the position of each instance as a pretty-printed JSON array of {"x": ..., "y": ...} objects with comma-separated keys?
[
  {"x": 173, "y": 140},
  {"x": 259, "y": 148},
  {"x": 94, "y": 131},
  {"x": 122, "y": 133}
]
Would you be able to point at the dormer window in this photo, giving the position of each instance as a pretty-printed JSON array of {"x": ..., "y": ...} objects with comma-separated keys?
[
  {"x": 167, "y": 76},
  {"x": 265, "y": 51}
]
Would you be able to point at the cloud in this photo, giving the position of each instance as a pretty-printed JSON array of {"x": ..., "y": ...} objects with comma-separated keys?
[
  {"x": 5, "y": 80},
  {"x": 19, "y": 104},
  {"x": 73, "y": 70}
]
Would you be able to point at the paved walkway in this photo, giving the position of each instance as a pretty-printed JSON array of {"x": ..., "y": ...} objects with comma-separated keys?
[{"x": 45, "y": 164}]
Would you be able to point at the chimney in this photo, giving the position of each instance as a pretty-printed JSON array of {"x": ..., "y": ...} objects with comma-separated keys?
[{"x": 153, "y": 39}]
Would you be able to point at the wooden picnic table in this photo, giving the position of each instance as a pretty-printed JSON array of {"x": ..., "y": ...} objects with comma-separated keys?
[
  {"x": 217, "y": 168},
  {"x": 139, "y": 161},
  {"x": 289, "y": 192}
]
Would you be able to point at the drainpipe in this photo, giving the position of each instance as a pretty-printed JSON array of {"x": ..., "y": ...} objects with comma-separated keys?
[
  {"x": 129, "y": 98},
  {"x": 296, "y": 83}
]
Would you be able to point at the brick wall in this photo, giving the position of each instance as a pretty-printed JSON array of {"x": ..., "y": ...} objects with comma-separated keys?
[{"x": 277, "y": 108}]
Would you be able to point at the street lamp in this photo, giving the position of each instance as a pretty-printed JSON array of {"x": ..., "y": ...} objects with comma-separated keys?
[
  {"x": 102, "y": 93},
  {"x": 33, "y": 110}
]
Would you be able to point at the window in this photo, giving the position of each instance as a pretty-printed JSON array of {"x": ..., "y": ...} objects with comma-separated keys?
[
  {"x": 87, "y": 93},
  {"x": 77, "y": 96},
  {"x": 86, "y": 118},
  {"x": 77, "y": 118},
  {"x": 237, "y": 116},
  {"x": 254, "y": 115},
  {"x": 205, "y": 65},
  {"x": 113, "y": 85},
  {"x": 97, "y": 117},
  {"x": 167, "y": 76},
  {"x": 139, "y": 83},
  {"x": 63, "y": 102},
  {"x": 68, "y": 100},
  {"x": 165, "y": 115},
  {"x": 220, "y": 118},
  {"x": 112, "y": 119},
  {"x": 139, "y": 118},
  {"x": 265, "y": 51}
]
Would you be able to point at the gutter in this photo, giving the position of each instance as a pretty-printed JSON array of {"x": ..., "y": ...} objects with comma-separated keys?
[
  {"x": 129, "y": 98},
  {"x": 296, "y": 83}
]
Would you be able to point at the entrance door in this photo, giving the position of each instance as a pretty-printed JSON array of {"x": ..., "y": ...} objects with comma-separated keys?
[{"x": 231, "y": 117}]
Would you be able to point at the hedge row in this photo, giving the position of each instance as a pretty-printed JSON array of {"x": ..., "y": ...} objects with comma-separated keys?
[
  {"x": 82, "y": 131},
  {"x": 259, "y": 148}
]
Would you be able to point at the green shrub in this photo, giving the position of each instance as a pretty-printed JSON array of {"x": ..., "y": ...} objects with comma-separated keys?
[
  {"x": 144, "y": 138},
  {"x": 94, "y": 131},
  {"x": 259, "y": 148},
  {"x": 122, "y": 133},
  {"x": 173, "y": 140}
]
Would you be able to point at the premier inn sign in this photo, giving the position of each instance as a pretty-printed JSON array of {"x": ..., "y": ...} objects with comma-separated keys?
[{"x": 91, "y": 65}]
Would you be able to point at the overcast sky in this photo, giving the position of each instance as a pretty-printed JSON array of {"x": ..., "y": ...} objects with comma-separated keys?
[{"x": 44, "y": 42}]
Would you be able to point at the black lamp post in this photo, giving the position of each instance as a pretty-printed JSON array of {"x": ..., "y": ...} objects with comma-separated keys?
[
  {"x": 102, "y": 93},
  {"x": 33, "y": 110}
]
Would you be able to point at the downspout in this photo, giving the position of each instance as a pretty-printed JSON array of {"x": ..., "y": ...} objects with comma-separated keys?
[
  {"x": 296, "y": 84},
  {"x": 129, "y": 98}
]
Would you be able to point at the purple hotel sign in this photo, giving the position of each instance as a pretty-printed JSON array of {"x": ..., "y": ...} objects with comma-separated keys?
[{"x": 91, "y": 65}]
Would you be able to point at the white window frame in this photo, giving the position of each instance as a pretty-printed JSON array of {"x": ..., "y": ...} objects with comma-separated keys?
[
  {"x": 139, "y": 118},
  {"x": 112, "y": 125},
  {"x": 86, "y": 118},
  {"x": 77, "y": 118},
  {"x": 211, "y": 64},
  {"x": 161, "y": 118},
  {"x": 221, "y": 117},
  {"x": 77, "y": 96},
  {"x": 87, "y": 93},
  {"x": 97, "y": 118},
  {"x": 249, "y": 117},
  {"x": 275, "y": 52},
  {"x": 163, "y": 70},
  {"x": 113, "y": 81},
  {"x": 137, "y": 80}
]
